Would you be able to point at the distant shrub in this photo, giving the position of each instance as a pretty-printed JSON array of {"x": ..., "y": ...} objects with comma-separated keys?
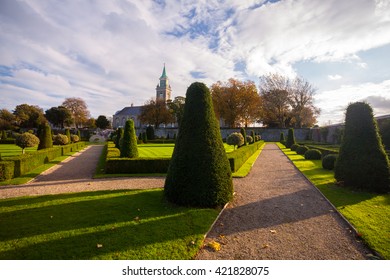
[
  {"x": 243, "y": 133},
  {"x": 150, "y": 133},
  {"x": 235, "y": 139},
  {"x": 129, "y": 142},
  {"x": 67, "y": 133},
  {"x": 26, "y": 140},
  {"x": 290, "y": 138},
  {"x": 329, "y": 161},
  {"x": 119, "y": 135},
  {"x": 282, "y": 139},
  {"x": 60, "y": 139},
  {"x": 301, "y": 150},
  {"x": 257, "y": 138},
  {"x": 249, "y": 139},
  {"x": 312, "y": 154},
  {"x": 75, "y": 138},
  {"x": 45, "y": 139},
  {"x": 253, "y": 136},
  {"x": 144, "y": 137},
  {"x": 294, "y": 147}
]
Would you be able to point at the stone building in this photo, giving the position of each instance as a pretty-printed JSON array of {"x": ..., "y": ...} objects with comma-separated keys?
[{"x": 163, "y": 92}]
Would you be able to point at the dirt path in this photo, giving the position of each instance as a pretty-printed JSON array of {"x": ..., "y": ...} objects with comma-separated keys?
[{"x": 278, "y": 214}]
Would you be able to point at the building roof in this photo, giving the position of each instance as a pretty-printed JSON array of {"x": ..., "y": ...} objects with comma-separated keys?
[
  {"x": 164, "y": 74},
  {"x": 130, "y": 111}
]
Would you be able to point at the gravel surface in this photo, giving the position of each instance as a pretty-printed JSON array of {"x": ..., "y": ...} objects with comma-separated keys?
[{"x": 276, "y": 213}]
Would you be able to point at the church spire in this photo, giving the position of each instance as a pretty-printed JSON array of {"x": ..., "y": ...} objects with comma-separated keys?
[
  {"x": 163, "y": 89},
  {"x": 164, "y": 74}
]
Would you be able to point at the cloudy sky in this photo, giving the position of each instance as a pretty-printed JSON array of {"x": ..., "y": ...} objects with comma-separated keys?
[{"x": 111, "y": 53}]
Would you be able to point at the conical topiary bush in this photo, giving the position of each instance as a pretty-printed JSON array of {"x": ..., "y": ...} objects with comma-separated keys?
[
  {"x": 129, "y": 141},
  {"x": 362, "y": 162},
  {"x": 45, "y": 137},
  {"x": 199, "y": 173},
  {"x": 290, "y": 138}
]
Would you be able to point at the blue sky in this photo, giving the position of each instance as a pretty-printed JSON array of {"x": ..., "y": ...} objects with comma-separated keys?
[{"x": 111, "y": 53}]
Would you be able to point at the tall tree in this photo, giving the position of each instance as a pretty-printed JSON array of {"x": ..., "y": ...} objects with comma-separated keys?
[
  {"x": 29, "y": 116},
  {"x": 59, "y": 116},
  {"x": 236, "y": 102},
  {"x": 287, "y": 102},
  {"x": 176, "y": 107},
  {"x": 7, "y": 120},
  {"x": 102, "y": 122},
  {"x": 155, "y": 113},
  {"x": 78, "y": 109}
]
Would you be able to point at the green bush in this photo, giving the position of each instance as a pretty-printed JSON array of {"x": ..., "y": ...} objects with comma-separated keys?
[
  {"x": 249, "y": 139},
  {"x": 294, "y": 147},
  {"x": 75, "y": 138},
  {"x": 119, "y": 135},
  {"x": 312, "y": 154},
  {"x": 235, "y": 139},
  {"x": 301, "y": 150},
  {"x": 3, "y": 135},
  {"x": 150, "y": 133},
  {"x": 238, "y": 157},
  {"x": 129, "y": 144},
  {"x": 329, "y": 161},
  {"x": 290, "y": 138},
  {"x": 137, "y": 165},
  {"x": 45, "y": 138},
  {"x": 26, "y": 140},
  {"x": 253, "y": 136},
  {"x": 362, "y": 163},
  {"x": 243, "y": 133},
  {"x": 8, "y": 141},
  {"x": 6, "y": 170},
  {"x": 60, "y": 139},
  {"x": 67, "y": 133},
  {"x": 199, "y": 173},
  {"x": 282, "y": 139}
]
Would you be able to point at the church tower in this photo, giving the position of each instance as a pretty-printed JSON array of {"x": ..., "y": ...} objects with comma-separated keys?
[{"x": 163, "y": 90}]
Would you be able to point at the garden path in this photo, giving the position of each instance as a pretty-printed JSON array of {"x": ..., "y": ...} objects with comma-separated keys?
[
  {"x": 74, "y": 174},
  {"x": 278, "y": 214}
]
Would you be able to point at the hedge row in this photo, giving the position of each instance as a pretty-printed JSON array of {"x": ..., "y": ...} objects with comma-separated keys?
[
  {"x": 324, "y": 151},
  {"x": 8, "y": 141},
  {"x": 160, "y": 165},
  {"x": 17, "y": 166},
  {"x": 238, "y": 157}
]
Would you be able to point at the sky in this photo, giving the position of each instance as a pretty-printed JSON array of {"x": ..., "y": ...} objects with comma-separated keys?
[{"x": 111, "y": 53}]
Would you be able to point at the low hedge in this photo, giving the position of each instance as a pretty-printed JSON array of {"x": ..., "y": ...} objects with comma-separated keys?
[
  {"x": 160, "y": 165},
  {"x": 8, "y": 141},
  {"x": 238, "y": 157},
  {"x": 324, "y": 151},
  {"x": 137, "y": 165},
  {"x": 23, "y": 164}
]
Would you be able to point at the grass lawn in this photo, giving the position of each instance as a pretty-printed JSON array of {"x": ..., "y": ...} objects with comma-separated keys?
[
  {"x": 368, "y": 213},
  {"x": 8, "y": 150},
  {"x": 125, "y": 224}
]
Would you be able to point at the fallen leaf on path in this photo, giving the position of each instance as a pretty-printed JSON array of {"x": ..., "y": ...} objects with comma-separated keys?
[
  {"x": 265, "y": 246},
  {"x": 214, "y": 245},
  {"x": 273, "y": 231}
]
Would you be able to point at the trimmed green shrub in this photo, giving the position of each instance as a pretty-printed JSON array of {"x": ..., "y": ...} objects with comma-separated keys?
[
  {"x": 282, "y": 139},
  {"x": 199, "y": 173},
  {"x": 329, "y": 161},
  {"x": 119, "y": 135},
  {"x": 144, "y": 137},
  {"x": 312, "y": 154},
  {"x": 290, "y": 138},
  {"x": 235, "y": 139},
  {"x": 253, "y": 137},
  {"x": 26, "y": 140},
  {"x": 301, "y": 150},
  {"x": 257, "y": 138},
  {"x": 45, "y": 139},
  {"x": 75, "y": 138},
  {"x": 249, "y": 139},
  {"x": 129, "y": 144},
  {"x": 6, "y": 170},
  {"x": 67, "y": 133},
  {"x": 362, "y": 163},
  {"x": 60, "y": 139},
  {"x": 137, "y": 165},
  {"x": 150, "y": 133},
  {"x": 294, "y": 147},
  {"x": 79, "y": 134},
  {"x": 8, "y": 141},
  {"x": 238, "y": 157},
  {"x": 243, "y": 133}
]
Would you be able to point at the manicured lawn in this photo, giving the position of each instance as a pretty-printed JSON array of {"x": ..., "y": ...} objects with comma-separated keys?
[
  {"x": 155, "y": 150},
  {"x": 125, "y": 224},
  {"x": 368, "y": 213},
  {"x": 7, "y": 150}
]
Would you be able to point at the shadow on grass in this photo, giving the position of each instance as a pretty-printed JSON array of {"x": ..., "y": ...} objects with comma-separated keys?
[{"x": 70, "y": 226}]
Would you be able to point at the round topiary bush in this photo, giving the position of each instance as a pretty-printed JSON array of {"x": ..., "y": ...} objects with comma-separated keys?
[
  {"x": 249, "y": 139},
  {"x": 362, "y": 163},
  {"x": 294, "y": 147},
  {"x": 290, "y": 138},
  {"x": 329, "y": 161},
  {"x": 301, "y": 150},
  {"x": 129, "y": 141},
  {"x": 75, "y": 138},
  {"x": 60, "y": 139},
  {"x": 313, "y": 154},
  {"x": 67, "y": 133},
  {"x": 199, "y": 173},
  {"x": 26, "y": 140},
  {"x": 235, "y": 139}
]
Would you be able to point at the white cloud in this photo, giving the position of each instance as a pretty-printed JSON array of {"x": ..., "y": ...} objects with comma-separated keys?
[{"x": 334, "y": 77}]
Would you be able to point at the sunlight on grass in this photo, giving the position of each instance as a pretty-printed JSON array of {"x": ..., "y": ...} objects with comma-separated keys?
[
  {"x": 131, "y": 224},
  {"x": 8, "y": 150},
  {"x": 367, "y": 212}
]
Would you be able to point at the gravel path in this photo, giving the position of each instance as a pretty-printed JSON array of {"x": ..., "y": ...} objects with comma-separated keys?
[
  {"x": 277, "y": 214},
  {"x": 75, "y": 175}
]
